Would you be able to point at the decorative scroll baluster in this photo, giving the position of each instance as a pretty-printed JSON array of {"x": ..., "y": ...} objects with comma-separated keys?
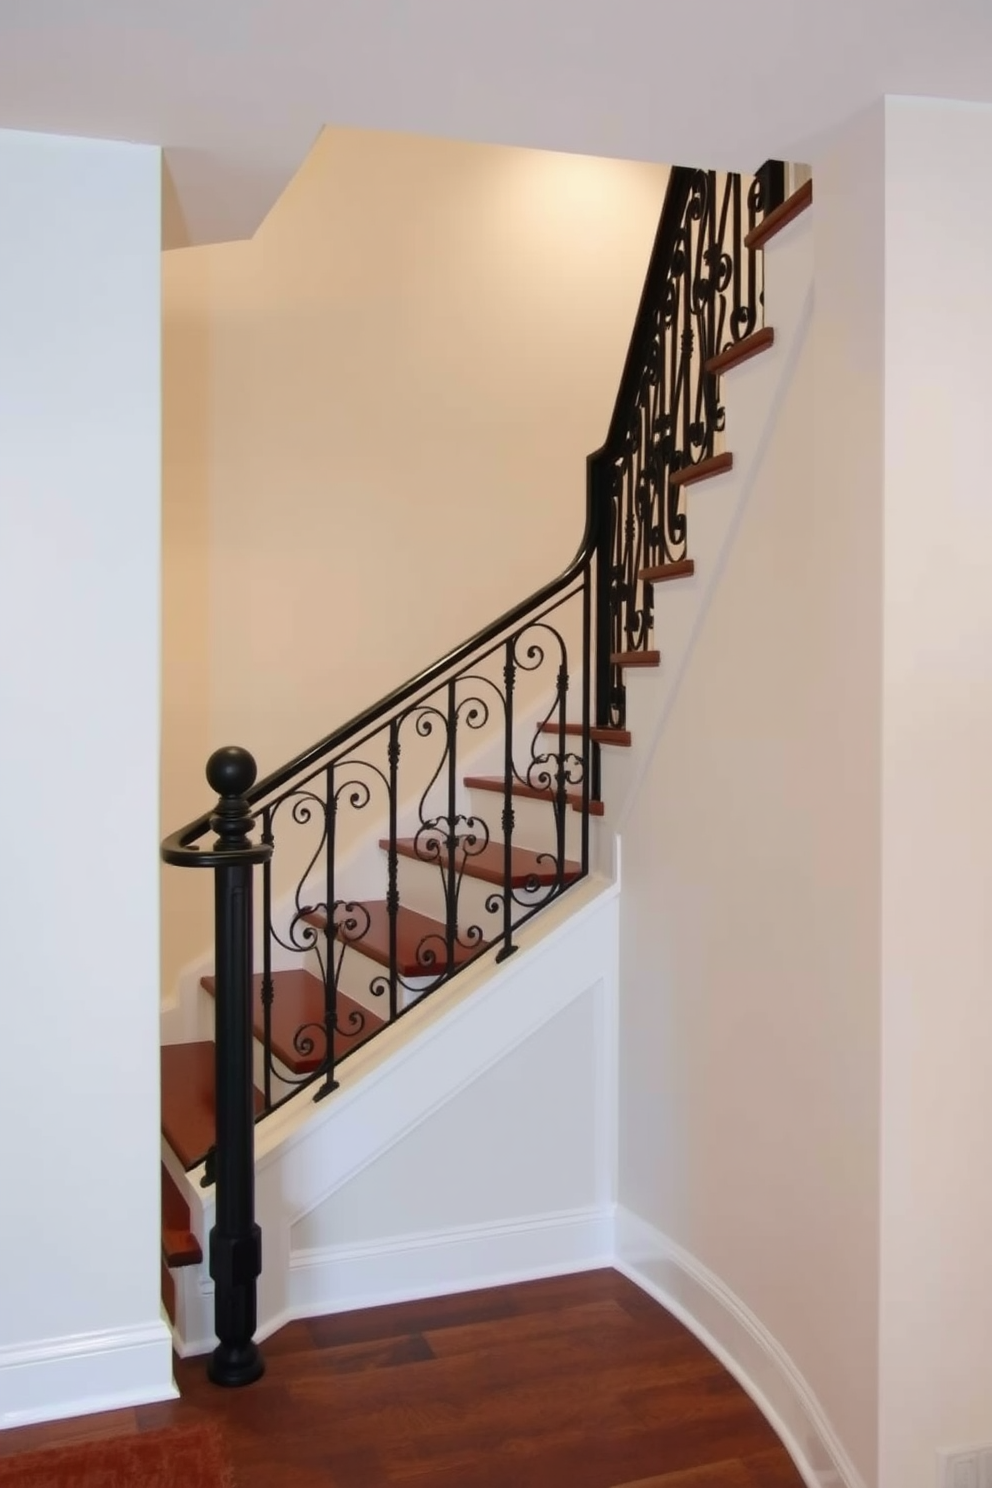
[
  {"x": 392, "y": 889},
  {"x": 509, "y": 683},
  {"x": 451, "y": 896},
  {"x": 330, "y": 960},
  {"x": 587, "y": 745},
  {"x": 561, "y": 776},
  {"x": 268, "y": 990},
  {"x": 737, "y": 321}
]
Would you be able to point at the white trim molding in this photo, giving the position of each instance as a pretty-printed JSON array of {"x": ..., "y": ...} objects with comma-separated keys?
[
  {"x": 405, "y": 1267},
  {"x": 743, "y": 1345},
  {"x": 83, "y": 1373}
]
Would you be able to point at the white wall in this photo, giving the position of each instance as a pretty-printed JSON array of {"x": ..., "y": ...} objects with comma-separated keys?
[
  {"x": 806, "y": 957},
  {"x": 750, "y": 909},
  {"x": 397, "y": 383},
  {"x": 80, "y": 1321},
  {"x": 937, "y": 803},
  {"x": 521, "y": 1141}
]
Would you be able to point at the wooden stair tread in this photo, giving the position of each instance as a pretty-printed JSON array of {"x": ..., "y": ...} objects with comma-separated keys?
[
  {"x": 741, "y": 351},
  {"x": 180, "y": 1246},
  {"x": 636, "y": 658},
  {"x": 617, "y": 736},
  {"x": 497, "y": 784},
  {"x": 188, "y": 1100},
  {"x": 683, "y": 569},
  {"x": 702, "y": 470},
  {"x": 420, "y": 940},
  {"x": 780, "y": 216},
  {"x": 526, "y": 867},
  {"x": 298, "y": 1002}
]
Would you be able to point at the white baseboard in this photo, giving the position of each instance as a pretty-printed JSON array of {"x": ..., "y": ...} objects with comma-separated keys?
[
  {"x": 732, "y": 1333},
  {"x": 84, "y": 1373},
  {"x": 342, "y": 1278}
]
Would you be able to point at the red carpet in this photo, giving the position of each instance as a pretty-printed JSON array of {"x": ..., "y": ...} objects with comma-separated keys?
[{"x": 182, "y": 1457}]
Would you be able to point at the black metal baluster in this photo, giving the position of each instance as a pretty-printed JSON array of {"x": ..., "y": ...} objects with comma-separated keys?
[
  {"x": 587, "y": 744},
  {"x": 707, "y": 338},
  {"x": 629, "y": 580},
  {"x": 331, "y": 966},
  {"x": 755, "y": 301},
  {"x": 268, "y": 989},
  {"x": 655, "y": 437},
  {"x": 451, "y": 907},
  {"x": 392, "y": 888},
  {"x": 561, "y": 784},
  {"x": 235, "y": 1239},
  {"x": 739, "y": 325},
  {"x": 509, "y": 682},
  {"x": 600, "y": 503},
  {"x": 685, "y": 351}
]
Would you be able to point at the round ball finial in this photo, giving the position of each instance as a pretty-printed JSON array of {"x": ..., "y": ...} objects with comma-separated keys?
[{"x": 231, "y": 771}]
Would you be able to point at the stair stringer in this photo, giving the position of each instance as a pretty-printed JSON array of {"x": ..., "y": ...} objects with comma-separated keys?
[
  {"x": 307, "y": 1152},
  {"x": 752, "y": 394}
]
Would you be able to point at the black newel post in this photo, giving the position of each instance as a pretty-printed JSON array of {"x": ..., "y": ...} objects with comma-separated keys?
[{"x": 235, "y": 1240}]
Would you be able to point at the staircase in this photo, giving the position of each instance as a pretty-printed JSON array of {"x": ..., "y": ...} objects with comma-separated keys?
[{"x": 404, "y": 857}]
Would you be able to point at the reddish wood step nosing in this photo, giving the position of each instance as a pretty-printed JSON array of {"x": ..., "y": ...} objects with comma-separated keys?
[
  {"x": 620, "y": 737},
  {"x": 636, "y": 658},
  {"x": 180, "y": 1248},
  {"x": 421, "y": 949},
  {"x": 702, "y": 470},
  {"x": 532, "y": 792},
  {"x": 188, "y": 1100},
  {"x": 527, "y": 868},
  {"x": 780, "y": 216},
  {"x": 684, "y": 569},
  {"x": 298, "y": 1002},
  {"x": 741, "y": 351}
]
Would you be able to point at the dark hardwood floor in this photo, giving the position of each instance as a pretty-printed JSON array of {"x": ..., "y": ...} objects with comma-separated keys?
[{"x": 578, "y": 1381}]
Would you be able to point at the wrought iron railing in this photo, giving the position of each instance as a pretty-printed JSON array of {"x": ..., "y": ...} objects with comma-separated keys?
[
  {"x": 703, "y": 292},
  {"x": 383, "y": 872}
]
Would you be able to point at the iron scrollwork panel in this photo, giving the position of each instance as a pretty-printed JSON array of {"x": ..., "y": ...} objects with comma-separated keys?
[{"x": 706, "y": 296}]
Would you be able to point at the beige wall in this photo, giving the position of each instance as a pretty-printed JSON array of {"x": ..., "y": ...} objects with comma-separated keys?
[
  {"x": 377, "y": 417},
  {"x": 186, "y": 445},
  {"x": 750, "y": 929},
  {"x": 937, "y": 804}
]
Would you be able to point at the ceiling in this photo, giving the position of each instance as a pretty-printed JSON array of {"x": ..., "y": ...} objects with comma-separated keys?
[{"x": 237, "y": 90}]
